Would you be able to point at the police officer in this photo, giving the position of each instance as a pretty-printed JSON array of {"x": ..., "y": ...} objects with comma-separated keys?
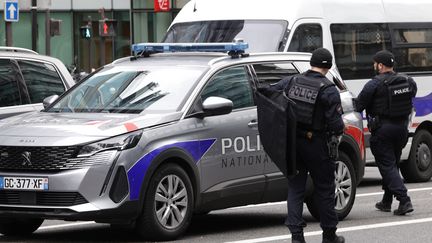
[
  {"x": 319, "y": 115},
  {"x": 387, "y": 99}
]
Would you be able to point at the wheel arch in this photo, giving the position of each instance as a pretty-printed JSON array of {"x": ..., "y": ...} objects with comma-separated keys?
[
  {"x": 351, "y": 149},
  {"x": 426, "y": 125},
  {"x": 181, "y": 158}
]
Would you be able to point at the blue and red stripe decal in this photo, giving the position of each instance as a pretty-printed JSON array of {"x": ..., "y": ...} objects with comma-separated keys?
[{"x": 196, "y": 149}]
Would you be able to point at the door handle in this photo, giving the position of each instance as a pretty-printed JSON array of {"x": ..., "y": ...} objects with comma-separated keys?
[{"x": 253, "y": 123}]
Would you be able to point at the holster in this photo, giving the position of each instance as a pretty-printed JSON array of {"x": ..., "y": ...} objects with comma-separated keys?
[
  {"x": 333, "y": 146},
  {"x": 373, "y": 123}
]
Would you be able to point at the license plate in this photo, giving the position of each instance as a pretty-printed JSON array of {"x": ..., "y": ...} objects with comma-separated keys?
[{"x": 23, "y": 183}]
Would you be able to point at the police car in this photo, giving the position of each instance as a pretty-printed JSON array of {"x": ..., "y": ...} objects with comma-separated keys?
[{"x": 151, "y": 139}]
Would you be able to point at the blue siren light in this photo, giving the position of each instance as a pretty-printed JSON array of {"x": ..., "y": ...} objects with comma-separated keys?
[{"x": 238, "y": 47}]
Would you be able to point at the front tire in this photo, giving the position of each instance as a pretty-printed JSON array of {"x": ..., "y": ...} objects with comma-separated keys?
[
  {"x": 418, "y": 168},
  {"x": 168, "y": 204},
  {"x": 346, "y": 185},
  {"x": 15, "y": 226}
]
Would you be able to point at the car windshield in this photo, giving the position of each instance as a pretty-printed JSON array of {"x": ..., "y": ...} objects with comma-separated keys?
[
  {"x": 128, "y": 90},
  {"x": 228, "y": 30}
]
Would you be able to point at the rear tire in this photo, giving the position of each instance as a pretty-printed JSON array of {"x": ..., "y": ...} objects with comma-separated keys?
[
  {"x": 346, "y": 185},
  {"x": 418, "y": 168},
  {"x": 168, "y": 205},
  {"x": 16, "y": 226}
]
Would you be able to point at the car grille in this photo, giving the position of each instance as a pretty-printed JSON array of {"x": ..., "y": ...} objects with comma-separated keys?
[
  {"x": 63, "y": 199},
  {"x": 48, "y": 159}
]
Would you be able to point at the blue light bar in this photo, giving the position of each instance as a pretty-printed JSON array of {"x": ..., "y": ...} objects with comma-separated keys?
[{"x": 189, "y": 47}]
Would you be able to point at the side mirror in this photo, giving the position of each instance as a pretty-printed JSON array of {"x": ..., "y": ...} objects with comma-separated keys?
[
  {"x": 49, "y": 100},
  {"x": 213, "y": 106}
]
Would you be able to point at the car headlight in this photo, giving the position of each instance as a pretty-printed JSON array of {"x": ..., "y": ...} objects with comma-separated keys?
[{"x": 122, "y": 142}]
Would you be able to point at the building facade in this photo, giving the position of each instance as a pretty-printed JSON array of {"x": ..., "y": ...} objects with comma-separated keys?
[{"x": 135, "y": 21}]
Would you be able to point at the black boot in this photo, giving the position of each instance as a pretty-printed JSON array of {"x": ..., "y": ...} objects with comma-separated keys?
[
  {"x": 385, "y": 204},
  {"x": 329, "y": 236},
  {"x": 405, "y": 206},
  {"x": 297, "y": 238}
]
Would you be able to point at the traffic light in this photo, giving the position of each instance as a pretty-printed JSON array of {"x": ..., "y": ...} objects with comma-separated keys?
[
  {"x": 86, "y": 32},
  {"x": 107, "y": 27}
]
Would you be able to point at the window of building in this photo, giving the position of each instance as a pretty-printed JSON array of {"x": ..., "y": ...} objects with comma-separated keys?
[
  {"x": 232, "y": 84},
  {"x": 354, "y": 46},
  {"x": 42, "y": 80},
  {"x": 306, "y": 38},
  {"x": 9, "y": 91}
]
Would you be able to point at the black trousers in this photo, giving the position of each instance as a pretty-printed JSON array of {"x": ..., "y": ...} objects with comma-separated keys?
[
  {"x": 386, "y": 144},
  {"x": 312, "y": 157}
]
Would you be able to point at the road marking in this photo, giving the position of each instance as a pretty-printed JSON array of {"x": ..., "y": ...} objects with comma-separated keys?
[
  {"x": 58, "y": 226},
  {"x": 358, "y": 195},
  {"x": 347, "y": 229},
  {"x": 49, "y": 227},
  {"x": 380, "y": 193}
]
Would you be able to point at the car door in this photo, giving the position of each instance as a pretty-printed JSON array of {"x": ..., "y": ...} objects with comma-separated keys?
[
  {"x": 271, "y": 73},
  {"x": 42, "y": 79},
  {"x": 13, "y": 93},
  {"x": 232, "y": 169}
]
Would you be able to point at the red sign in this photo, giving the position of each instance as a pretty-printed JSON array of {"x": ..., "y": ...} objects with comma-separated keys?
[{"x": 162, "y": 5}]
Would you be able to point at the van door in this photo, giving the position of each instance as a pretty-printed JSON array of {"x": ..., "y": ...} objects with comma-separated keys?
[{"x": 306, "y": 36}]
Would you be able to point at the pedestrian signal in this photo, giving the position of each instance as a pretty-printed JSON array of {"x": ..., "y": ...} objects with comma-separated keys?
[
  {"x": 86, "y": 31},
  {"x": 107, "y": 27}
]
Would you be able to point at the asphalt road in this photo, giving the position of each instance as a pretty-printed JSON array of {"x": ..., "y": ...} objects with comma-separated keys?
[{"x": 264, "y": 223}]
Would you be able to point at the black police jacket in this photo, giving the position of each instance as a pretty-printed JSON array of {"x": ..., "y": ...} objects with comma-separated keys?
[
  {"x": 328, "y": 100},
  {"x": 374, "y": 96}
]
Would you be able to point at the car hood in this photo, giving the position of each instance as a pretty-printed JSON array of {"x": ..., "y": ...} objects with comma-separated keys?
[{"x": 64, "y": 129}]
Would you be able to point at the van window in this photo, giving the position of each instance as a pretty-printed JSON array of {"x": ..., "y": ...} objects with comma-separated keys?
[
  {"x": 9, "y": 91},
  {"x": 354, "y": 46},
  {"x": 271, "y": 73},
  {"x": 42, "y": 80},
  {"x": 412, "y": 47},
  {"x": 251, "y": 31},
  {"x": 232, "y": 84},
  {"x": 306, "y": 38}
]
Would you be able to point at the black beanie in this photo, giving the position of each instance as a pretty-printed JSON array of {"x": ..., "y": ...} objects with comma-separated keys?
[
  {"x": 384, "y": 57},
  {"x": 321, "y": 58}
]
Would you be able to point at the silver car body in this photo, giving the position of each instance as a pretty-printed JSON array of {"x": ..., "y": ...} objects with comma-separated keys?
[{"x": 221, "y": 154}]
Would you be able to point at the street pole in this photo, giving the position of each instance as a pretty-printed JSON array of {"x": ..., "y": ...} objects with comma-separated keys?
[
  {"x": 47, "y": 32},
  {"x": 91, "y": 48},
  {"x": 9, "y": 34},
  {"x": 102, "y": 48},
  {"x": 34, "y": 25}
]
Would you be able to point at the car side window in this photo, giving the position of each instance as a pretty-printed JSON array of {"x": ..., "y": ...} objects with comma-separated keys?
[
  {"x": 271, "y": 73},
  {"x": 306, "y": 38},
  {"x": 232, "y": 84},
  {"x": 9, "y": 91},
  {"x": 42, "y": 80}
]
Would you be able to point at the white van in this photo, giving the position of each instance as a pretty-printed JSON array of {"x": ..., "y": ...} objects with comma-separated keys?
[{"x": 352, "y": 30}]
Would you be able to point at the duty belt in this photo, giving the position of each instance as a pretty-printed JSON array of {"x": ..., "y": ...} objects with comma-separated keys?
[{"x": 396, "y": 121}]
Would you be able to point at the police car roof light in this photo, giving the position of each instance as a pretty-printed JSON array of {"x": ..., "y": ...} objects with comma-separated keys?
[{"x": 233, "y": 48}]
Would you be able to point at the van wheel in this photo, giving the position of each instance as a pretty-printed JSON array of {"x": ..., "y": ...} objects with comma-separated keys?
[
  {"x": 346, "y": 185},
  {"x": 168, "y": 205},
  {"x": 418, "y": 168},
  {"x": 15, "y": 227}
]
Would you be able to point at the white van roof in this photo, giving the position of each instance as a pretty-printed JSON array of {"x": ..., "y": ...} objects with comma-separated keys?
[{"x": 333, "y": 11}]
